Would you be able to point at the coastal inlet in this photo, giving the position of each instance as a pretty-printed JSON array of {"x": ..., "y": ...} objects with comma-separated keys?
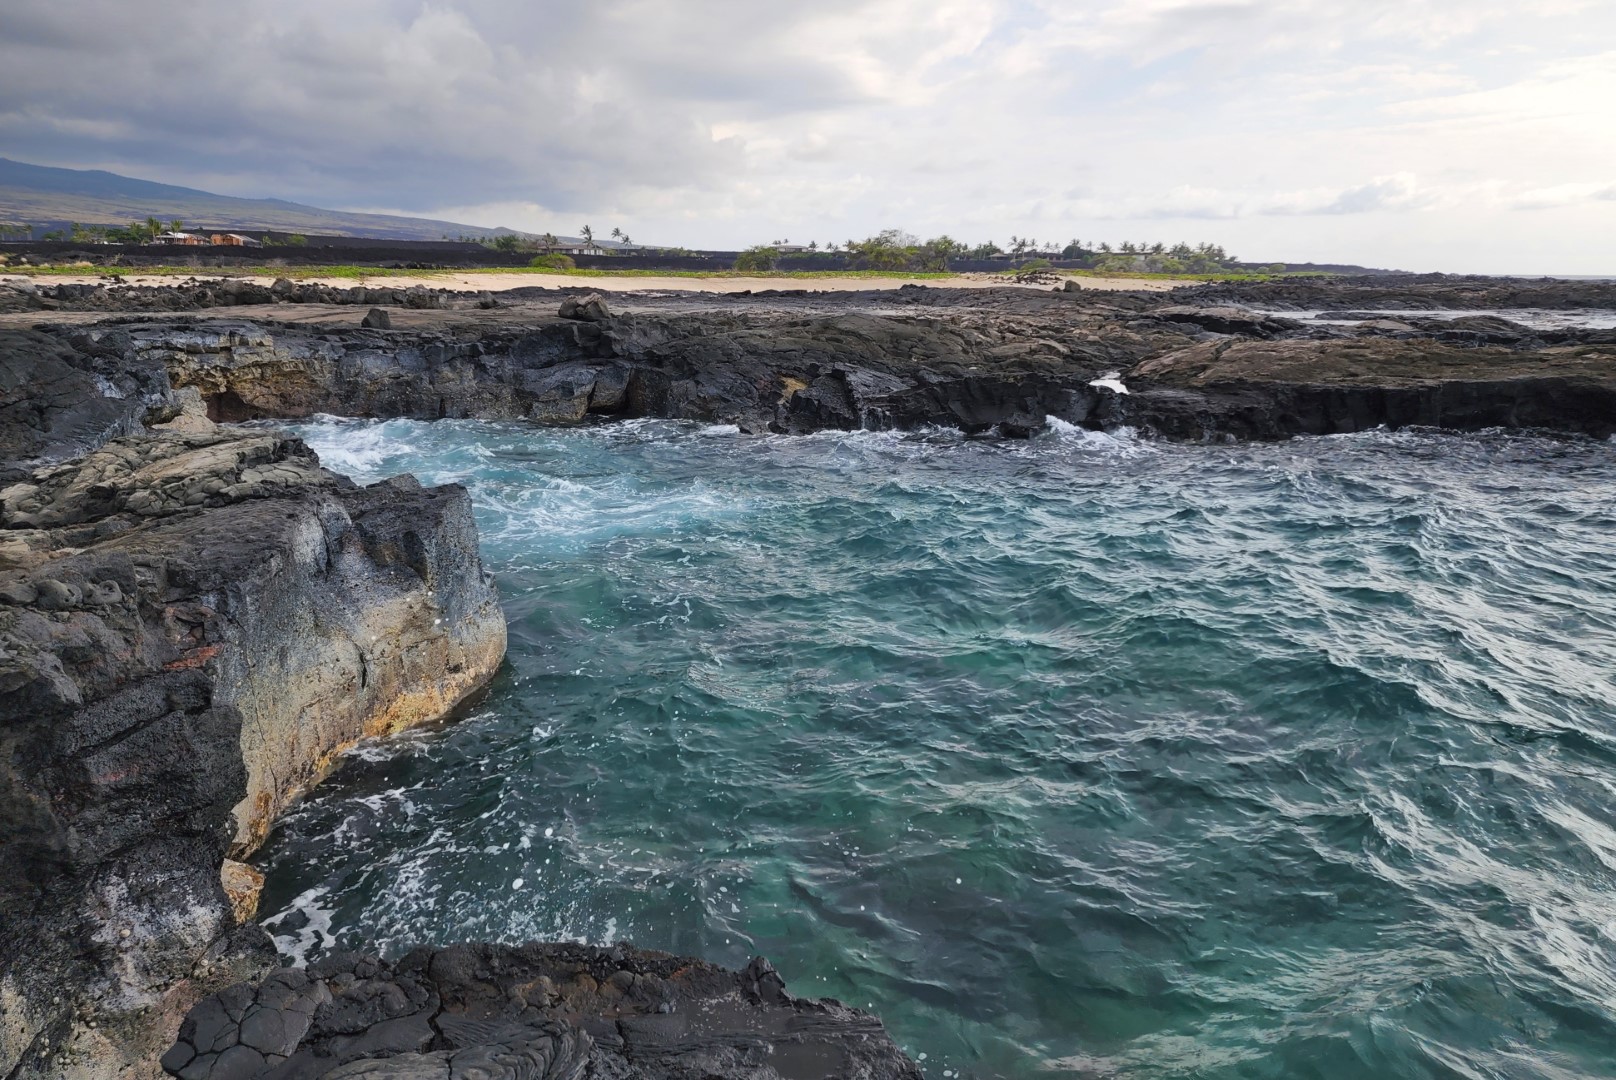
[{"x": 1078, "y": 756}]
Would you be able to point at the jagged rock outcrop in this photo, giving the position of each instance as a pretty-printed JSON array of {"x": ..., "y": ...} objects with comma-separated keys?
[
  {"x": 535, "y": 1012},
  {"x": 192, "y": 625},
  {"x": 58, "y": 401},
  {"x": 762, "y": 373},
  {"x": 1274, "y": 389},
  {"x": 1195, "y": 372}
]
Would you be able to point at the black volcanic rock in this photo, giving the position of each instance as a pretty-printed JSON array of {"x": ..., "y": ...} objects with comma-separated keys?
[
  {"x": 57, "y": 401},
  {"x": 536, "y": 1012}
]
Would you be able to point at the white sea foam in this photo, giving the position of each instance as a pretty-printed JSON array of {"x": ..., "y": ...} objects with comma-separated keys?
[
  {"x": 315, "y": 932},
  {"x": 1111, "y": 380},
  {"x": 1119, "y": 442},
  {"x": 357, "y": 449}
]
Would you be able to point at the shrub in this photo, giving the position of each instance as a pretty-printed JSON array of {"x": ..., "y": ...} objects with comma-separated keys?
[
  {"x": 553, "y": 262},
  {"x": 1036, "y": 264},
  {"x": 755, "y": 259}
]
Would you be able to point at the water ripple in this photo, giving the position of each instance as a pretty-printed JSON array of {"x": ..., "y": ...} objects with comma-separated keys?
[{"x": 1082, "y": 756}]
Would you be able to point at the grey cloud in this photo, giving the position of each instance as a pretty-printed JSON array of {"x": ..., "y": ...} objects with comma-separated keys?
[{"x": 564, "y": 105}]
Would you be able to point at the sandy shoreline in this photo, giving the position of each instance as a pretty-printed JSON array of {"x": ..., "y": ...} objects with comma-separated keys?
[{"x": 497, "y": 282}]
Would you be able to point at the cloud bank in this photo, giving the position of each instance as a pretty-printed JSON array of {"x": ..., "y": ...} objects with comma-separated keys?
[{"x": 1429, "y": 134}]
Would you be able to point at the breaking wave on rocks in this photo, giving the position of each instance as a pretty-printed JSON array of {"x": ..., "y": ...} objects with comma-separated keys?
[{"x": 1082, "y": 755}]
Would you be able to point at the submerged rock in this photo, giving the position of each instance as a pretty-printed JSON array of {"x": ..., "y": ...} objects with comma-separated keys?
[{"x": 536, "y": 1012}]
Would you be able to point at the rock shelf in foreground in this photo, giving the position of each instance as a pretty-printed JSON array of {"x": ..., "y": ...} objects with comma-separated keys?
[{"x": 533, "y": 1012}]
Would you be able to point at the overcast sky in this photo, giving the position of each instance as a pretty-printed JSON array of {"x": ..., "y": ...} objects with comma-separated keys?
[{"x": 1466, "y": 135}]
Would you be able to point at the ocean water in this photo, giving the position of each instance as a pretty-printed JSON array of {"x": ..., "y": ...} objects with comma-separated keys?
[{"x": 1076, "y": 757}]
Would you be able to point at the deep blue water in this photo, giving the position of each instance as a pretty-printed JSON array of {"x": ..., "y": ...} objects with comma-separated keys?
[{"x": 1077, "y": 757}]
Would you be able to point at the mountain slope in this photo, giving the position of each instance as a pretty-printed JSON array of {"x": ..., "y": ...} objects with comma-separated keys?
[{"x": 40, "y": 195}]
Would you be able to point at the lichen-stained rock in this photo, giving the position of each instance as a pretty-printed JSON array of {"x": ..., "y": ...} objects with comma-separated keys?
[
  {"x": 242, "y": 886},
  {"x": 192, "y": 628},
  {"x": 534, "y": 1012}
]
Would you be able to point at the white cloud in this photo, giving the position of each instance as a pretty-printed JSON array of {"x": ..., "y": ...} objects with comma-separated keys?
[{"x": 1401, "y": 191}]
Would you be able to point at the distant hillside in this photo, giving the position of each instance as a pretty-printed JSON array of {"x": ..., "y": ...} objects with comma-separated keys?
[{"x": 42, "y": 196}]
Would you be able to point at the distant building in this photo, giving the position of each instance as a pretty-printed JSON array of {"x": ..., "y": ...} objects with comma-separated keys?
[
  {"x": 189, "y": 239},
  {"x": 231, "y": 239},
  {"x": 791, "y": 249}
]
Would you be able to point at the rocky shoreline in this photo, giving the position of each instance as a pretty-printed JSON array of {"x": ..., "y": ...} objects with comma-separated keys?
[{"x": 196, "y": 620}]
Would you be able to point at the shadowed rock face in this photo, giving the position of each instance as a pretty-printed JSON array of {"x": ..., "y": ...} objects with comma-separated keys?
[
  {"x": 57, "y": 401},
  {"x": 982, "y": 361},
  {"x": 537, "y": 1012},
  {"x": 1272, "y": 389}
]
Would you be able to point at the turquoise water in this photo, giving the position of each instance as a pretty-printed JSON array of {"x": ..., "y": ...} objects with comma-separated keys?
[{"x": 1076, "y": 757}]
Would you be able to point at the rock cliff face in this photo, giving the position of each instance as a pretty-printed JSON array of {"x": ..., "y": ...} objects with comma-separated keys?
[
  {"x": 1192, "y": 373},
  {"x": 1273, "y": 389},
  {"x": 192, "y": 626}
]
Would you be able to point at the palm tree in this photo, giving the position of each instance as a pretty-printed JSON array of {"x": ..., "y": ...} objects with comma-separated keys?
[
  {"x": 588, "y": 235},
  {"x": 153, "y": 227},
  {"x": 550, "y": 243},
  {"x": 617, "y": 234},
  {"x": 176, "y": 225}
]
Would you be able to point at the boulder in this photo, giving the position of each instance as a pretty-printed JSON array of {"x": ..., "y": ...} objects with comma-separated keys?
[{"x": 590, "y": 308}]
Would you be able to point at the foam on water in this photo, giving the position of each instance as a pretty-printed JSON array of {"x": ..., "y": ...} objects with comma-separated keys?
[{"x": 1080, "y": 755}]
